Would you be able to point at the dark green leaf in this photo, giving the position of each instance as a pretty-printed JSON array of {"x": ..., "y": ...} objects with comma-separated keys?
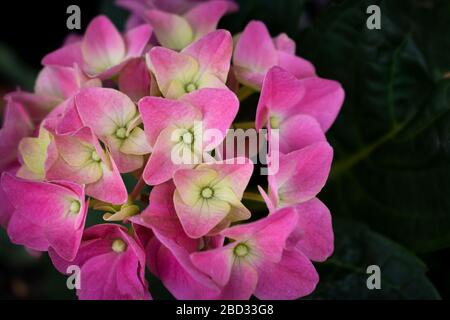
[
  {"x": 392, "y": 167},
  {"x": 344, "y": 275}
]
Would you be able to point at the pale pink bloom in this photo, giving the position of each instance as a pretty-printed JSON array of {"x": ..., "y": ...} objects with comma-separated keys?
[
  {"x": 46, "y": 214},
  {"x": 176, "y": 32},
  {"x": 103, "y": 51},
  {"x": 54, "y": 85},
  {"x": 300, "y": 109},
  {"x": 115, "y": 120},
  {"x": 79, "y": 157},
  {"x": 168, "y": 250},
  {"x": 16, "y": 125},
  {"x": 208, "y": 197},
  {"x": 256, "y": 52},
  {"x": 301, "y": 175},
  {"x": 256, "y": 261},
  {"x": 176, "y": 127},
  {"x": 203, "y": 64},
  {"x": 111, "y": 262}
]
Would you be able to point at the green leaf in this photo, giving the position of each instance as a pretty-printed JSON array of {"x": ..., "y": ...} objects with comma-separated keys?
[
  {"x": 392, "y": 138},
  {"x": 344, "y": 275}
]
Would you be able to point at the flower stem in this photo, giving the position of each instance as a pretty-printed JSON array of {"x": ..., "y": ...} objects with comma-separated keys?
[
  {"x": 138, "y": 188},
  {"x": 245, "y": 92},
  {"x": 252, "y": 196}
]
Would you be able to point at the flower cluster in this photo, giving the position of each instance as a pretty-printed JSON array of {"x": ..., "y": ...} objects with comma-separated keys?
[{"x": 109, "y": 105}]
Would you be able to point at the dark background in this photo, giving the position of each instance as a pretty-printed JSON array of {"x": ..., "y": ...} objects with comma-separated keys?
[{"x": 389, "y": 191}]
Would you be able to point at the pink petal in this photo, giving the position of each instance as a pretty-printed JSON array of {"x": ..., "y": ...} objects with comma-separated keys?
[
  {"x": 291, "y": 278},
  {"x": 285, "y": 44},
  {"x": 135, "y": 79},
  {"x": 173, "y": 31},
  {"x": 137, "y": 39},
  {"x": 102, "y": 46},
  {"x": 205, "y": 16},
  {"x": 104, "y": 110},
  {"x": 323, "y": 99},
  {"x": 42, "y": 213},
  {"x": 313, "y": 235},
  {"x": 268, "y": 235},
  {"x": 298, "y": 132},
  {"x": 218, "y": 106},
  {"x": 213, "y": 53},
  {"x": 298, "y": 66},
  {"x": 302, "y": 173},
  {"x": 17, "y": 125},
  {"x": 237, "y": 170},
  {"x": 110, "y": 188},
  {"x": 158, "y": 114},
  {"x": 242, "y": 284},
  {"x": 169, "y": 66},
  {"x": 180, "y": 276},
  {"x": 281, "y": 91},
  {"x": 160, "y": 166},
  {"x": 255, "y": 53},
  {"x": 216, "y": 263},
  {"x": 66, "y": 56},
  {"x": 107, "y": 274},
  {"x": 37, "y": 106}
]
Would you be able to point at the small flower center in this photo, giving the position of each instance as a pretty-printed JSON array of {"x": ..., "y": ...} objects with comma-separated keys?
[
  {"x": 121, "y": 133},
  {"x": 95, "y": 156},
  {"x": 241, "y": 250},
  {"x": 75, "y": 206},
  {"x": 190, "y": 87},
  {"x": 275, "y": 122},
  {"x": 207, "y": 193},
  {"x": 188, "y": 138},
  {"x": 119, "y": 246}
]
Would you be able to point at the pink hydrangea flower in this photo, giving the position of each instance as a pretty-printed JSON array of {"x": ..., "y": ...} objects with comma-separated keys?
[
  {"x": 114, "y": 119},
  {"x": 46, "y": 214},
  {"x": 103, "y": 51},
  {"x": 203, "y": 64},
  {"x": 256, "y": 52},
  {"x": 176, "y": 127},
  {"x": 208, "y": 198},
  {"x": 256, "y": 262},
  {"x": 111, "y": 265},
  {"x": 159, "y": 116},
  {"x": 176, "y": 32},
  {"x": 79, "y": 157},
  {"x": 168, "y": 248}
]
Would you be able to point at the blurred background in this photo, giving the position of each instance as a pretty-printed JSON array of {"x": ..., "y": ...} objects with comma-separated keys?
[{"x": 390, "y": 184}]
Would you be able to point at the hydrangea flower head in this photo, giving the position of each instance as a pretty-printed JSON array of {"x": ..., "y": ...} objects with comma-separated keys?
[{"x": 129, "y": 128}]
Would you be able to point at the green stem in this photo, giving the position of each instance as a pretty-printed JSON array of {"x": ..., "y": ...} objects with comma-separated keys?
[
  {"x": 252, "y": 196},
  {"x": 245, "y": 92},
  {"x": 343, "y": 165}
]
